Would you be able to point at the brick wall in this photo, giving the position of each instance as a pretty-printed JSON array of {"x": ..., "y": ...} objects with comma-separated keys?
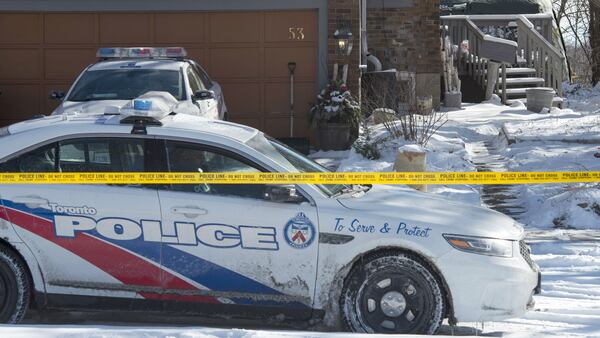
[
  {"x": 408, "y": 39},
  {"x": 347, "y": 11},
  {"x": 405, "y": 38}
]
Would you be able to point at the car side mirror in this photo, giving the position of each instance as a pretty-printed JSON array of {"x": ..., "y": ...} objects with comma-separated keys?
[
  {"x": 283, "y": 194},
  {"x": 204, "y": 95},
  {"x": 57, "y": 95}
]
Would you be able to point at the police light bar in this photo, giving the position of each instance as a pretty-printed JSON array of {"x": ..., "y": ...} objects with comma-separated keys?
[{"x": 141, "y": 52}]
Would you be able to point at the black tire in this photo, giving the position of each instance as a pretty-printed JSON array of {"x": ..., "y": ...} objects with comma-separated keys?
[
  {"x": 15, "y": 287},
  {"x": 413, "y": 302}
]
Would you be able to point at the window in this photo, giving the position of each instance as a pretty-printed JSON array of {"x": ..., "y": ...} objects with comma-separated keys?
[
  {"x": 126, "y": 84},
  {"x": 41, "y": 160},
  {"x": 102, "y": 155},
  {"x": 194, "y": 82},
  {"x": 291, "y": 160},
  {"x": 91, "y": 155},
  {"x": 203, "y": 77},
  {"x": 186, "y": 157}
]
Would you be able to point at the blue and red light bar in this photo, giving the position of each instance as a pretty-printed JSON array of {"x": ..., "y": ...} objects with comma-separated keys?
[{"x": 141, "y": 52}]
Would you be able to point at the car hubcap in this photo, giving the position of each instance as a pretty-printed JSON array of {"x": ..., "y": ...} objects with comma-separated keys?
[{"x": 393, "y": 304}]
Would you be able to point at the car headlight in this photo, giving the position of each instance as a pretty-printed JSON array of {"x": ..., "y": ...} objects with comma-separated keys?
[{"x": 481, "y": 245}]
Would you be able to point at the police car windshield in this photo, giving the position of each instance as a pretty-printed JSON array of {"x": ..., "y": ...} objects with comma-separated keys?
[
  {"x": 126, "y": 84},
  {"x": 292, "y": 160}
]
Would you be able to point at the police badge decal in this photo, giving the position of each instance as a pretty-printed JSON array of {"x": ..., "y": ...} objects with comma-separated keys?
[{"x": 299, "y": 232}]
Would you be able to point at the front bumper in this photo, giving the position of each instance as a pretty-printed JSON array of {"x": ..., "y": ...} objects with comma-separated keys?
[{"x": 486, "y": 288}]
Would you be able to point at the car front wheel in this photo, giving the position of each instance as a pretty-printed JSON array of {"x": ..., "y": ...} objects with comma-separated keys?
[
  {"x": 392, "y": 293},
  {"x": 14, "y": 288}
]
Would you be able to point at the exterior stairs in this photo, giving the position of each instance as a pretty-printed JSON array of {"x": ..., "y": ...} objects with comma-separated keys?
[
  {"x": 518, "y": 80},
  {"x": 529, "y": 59}
]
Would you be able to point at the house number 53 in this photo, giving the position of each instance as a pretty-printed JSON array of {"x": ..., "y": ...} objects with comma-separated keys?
[{"x": 297, "y": 33}]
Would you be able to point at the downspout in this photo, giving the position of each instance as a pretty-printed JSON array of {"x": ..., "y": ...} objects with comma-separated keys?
[
  {"x": 363, "y": 35},
  {"x": 366, "y": 57}
]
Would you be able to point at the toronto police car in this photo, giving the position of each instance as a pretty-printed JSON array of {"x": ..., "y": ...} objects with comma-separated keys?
[
  {"x": 366, "y": 259},
  {"x": 126, "y": 73}
]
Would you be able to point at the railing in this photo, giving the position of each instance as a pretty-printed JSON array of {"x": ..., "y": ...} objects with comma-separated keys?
[
  {"x": 540, "y": 54},
  {"x": 543, "y": 23},
  {"x": 482, "y": 48},
  {"x": 534, "y": 47}
]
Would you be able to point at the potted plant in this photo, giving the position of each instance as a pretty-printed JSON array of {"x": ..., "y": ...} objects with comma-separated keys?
[{"x": 335, "y": 115}]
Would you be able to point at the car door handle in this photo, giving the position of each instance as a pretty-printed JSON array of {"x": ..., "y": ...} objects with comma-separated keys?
[
  {"x": 189, "y": 211},
  {"x": 30, "y": 200}
]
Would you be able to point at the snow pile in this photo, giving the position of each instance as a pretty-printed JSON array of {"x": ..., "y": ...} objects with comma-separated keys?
[
  {"x": 582, "y": 98},
  {"x": 573, "y": 209},
  {"x": 584, "y": 129},
  {"x": 569, "y": 303},
  {"x": 446, "y": 152}
]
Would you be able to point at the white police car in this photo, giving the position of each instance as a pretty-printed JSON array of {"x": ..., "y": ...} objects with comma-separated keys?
[
  {"x": 378, "y": 259},
  {"x": 126, "y": 73}
]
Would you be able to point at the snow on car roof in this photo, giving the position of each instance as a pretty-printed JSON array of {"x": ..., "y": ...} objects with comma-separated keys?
[
  {"x": 163, "y": 64},
  {"x": 181, "y": 122},
  {"x": 235, "y": 131}
]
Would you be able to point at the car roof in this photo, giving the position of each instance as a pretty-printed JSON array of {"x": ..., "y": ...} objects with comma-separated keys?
[
  {"x": 162, "y": 64},
  {"x": 172, "y": 125}
]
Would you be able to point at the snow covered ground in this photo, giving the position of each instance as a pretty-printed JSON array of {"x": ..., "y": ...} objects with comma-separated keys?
[
  {"x": 569, "y": 306},
  {"x": 560, "y": 140},
  {"x": 562, "y": 220}
]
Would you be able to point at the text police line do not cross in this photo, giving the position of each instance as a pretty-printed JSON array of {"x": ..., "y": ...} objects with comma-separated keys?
[{"x": 432, "y": 178}]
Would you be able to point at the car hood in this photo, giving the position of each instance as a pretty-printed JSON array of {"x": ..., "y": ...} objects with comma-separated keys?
[{"x": 387, "y": 203}]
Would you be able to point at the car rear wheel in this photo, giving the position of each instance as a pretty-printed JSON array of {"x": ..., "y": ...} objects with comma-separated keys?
[
  {"x": 392, "y": 293},
  {"x": 14, "y": 288}
]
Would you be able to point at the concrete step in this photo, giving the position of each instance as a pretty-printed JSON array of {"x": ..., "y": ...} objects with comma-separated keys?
[{"x": 556, "y": 102}]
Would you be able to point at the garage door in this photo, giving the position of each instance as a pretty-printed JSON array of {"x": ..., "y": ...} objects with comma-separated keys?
[{"x": 247, "y": 52}]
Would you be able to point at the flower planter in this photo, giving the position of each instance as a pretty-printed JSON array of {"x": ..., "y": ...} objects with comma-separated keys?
[{"x": 334, "y": 136}]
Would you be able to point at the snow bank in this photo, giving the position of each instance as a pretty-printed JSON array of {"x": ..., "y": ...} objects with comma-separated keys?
[
  {"x": 446, "y": 151},
  {"x": 577, "y": 209},
  {"x": 581, "y": 98},
  {"x": 584, "y": 129}
]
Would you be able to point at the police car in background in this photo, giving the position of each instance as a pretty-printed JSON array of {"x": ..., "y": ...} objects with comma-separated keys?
[
  {"x": 126, "y": 73},
  {"x": 368, "y": 259}
]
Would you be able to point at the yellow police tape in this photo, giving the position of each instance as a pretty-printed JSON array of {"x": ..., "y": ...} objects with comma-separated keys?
[{"x": 304, "y": 178}]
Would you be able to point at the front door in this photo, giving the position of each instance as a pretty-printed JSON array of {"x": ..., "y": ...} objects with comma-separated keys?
[{"x": 233, "y": 245}]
